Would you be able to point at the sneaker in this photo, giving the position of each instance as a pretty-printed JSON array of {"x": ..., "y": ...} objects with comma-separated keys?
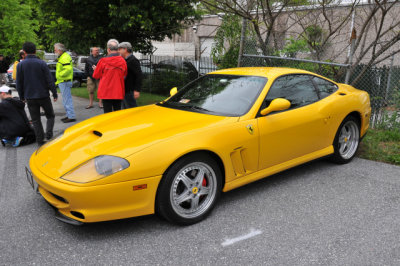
[
  {"x": 69, "y": 120},
  {"x": 64, "y": 118},
  {"x": 17, "y": 141},
  {"x": 49, "y": 136},
  {"x": 4, "y": 142}
]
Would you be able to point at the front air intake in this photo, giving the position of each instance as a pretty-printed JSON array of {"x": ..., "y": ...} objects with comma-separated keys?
[{"x": 78, "y": 215}]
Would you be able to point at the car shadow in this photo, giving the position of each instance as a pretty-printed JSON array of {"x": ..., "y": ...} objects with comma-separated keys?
[
  {"x": 285, "y": 177},
  {"x": 228, "y": 202}
]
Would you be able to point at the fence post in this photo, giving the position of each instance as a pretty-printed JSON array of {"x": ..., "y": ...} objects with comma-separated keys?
[
  {"x": 242, "y": 38},
  {"x": 389, "y": 79},
  {"x": 352, "y": 46},
  {"x": 151, "y": 72}
]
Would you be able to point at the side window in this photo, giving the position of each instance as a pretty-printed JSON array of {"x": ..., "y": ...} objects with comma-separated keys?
[
  {"x": 325, "y": 87},
  {"x": 298, "y": 89}
]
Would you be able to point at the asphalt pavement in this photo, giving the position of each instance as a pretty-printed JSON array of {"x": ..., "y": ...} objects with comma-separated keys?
[{"x": 315, "y": 214}]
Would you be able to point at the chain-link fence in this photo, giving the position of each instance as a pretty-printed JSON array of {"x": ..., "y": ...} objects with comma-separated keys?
[
  {"x": 381, "y": 82},
  {"x": 383, "y": 85},
  {"x": 161, "y": 73},
  {"x": 330, "y": 70}
]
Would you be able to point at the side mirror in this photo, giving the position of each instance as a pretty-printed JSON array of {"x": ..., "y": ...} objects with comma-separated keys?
[
  {"x": 173, "y": 91},
  {"x": 278, "y": 104}
]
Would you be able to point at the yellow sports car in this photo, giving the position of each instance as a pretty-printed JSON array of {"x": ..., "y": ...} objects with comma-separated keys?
[{"x": 219, "y": 132}]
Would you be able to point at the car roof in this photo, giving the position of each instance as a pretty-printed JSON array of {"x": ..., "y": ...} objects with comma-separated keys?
[{"x": 268, "y": 72}]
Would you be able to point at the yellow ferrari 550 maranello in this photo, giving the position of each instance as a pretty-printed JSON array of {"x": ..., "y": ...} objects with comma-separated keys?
[{"x": 219, "y": 132}]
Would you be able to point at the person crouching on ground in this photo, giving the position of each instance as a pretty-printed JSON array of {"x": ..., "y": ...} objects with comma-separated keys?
[
  {"x": 111, "y": 71},
  {"x": 14, "y": 124},
  {"x": 64, "y": 76}
]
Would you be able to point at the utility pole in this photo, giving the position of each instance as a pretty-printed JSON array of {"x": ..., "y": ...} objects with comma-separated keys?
[{"x": 242, "y": 39}]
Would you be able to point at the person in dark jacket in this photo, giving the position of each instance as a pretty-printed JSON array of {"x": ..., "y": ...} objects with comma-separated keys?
[
  {"x": 92, "y": 83},
  {"x": 14, "y": 124},
  {"x": 34, "y": 82},
  {"x": 111, "y": 71},
  {"x": 133, "y": 81}
]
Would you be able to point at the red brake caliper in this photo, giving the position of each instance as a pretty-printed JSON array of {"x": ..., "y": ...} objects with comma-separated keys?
[{"x": 204, "y": 183}]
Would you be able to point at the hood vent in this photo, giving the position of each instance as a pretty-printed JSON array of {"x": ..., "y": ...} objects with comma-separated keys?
[{"x": 97, "y": 133}]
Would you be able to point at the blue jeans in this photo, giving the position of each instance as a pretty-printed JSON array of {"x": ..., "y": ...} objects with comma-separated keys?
[{"x": 65, "y": 88}]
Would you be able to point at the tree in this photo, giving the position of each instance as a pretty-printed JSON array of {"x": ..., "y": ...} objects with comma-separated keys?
[
  {"x": 225, "y": 50},
  {"x": 323, "y": 24},
  {"x": 376, "y": 25},
  {"x": 17, "y": 26},
  {"x": 383, "y": 23},
  {"x": 263, "y": 16},
  {"x": 80, "y": 24}
]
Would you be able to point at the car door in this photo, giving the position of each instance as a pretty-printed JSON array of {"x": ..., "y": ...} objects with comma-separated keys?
[{"x": 295, "y": 132}]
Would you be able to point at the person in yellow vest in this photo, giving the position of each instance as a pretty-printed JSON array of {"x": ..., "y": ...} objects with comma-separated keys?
[
  {"x": 21, "y": 57},
  {"x": 64, "y": 76}
]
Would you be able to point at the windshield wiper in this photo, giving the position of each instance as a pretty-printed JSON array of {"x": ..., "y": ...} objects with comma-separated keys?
[
  {"x": 194, "y": 107},
  {"x": 187, "y": 106}
]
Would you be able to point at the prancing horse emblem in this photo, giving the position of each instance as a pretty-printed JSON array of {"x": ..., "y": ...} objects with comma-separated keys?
[{"x": 250, "y": 129}]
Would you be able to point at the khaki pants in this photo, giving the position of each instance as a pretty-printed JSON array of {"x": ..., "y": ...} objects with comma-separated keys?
[{"x": 92, "y": 85}]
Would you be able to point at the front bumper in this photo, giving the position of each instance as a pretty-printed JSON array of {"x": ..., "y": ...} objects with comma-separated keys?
[{"x": 98, "y": 203}]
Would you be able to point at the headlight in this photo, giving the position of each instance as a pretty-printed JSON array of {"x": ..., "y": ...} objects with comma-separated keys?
[{"x": 96, "y": 168}]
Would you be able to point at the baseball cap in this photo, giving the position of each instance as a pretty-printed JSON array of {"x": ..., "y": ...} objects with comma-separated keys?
[
  {"x": 126, "y": 45},
  {"x": 4, "y": 88}
]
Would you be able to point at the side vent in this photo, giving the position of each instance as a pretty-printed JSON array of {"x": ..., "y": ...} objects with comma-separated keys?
[
  {"x": 237, "y": 163},
  {"x": 242, "y": 162}
]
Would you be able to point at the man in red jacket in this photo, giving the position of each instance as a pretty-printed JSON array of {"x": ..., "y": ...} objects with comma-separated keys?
[{"x": 111, "y": 71}]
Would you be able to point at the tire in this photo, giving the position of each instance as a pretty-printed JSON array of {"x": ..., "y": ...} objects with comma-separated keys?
[
  {"x": 346, "y": 141},
  {"x": 189, "y": 189}
]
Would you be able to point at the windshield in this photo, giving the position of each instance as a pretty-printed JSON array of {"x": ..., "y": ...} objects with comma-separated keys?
[{"x": 226, "y": 95}]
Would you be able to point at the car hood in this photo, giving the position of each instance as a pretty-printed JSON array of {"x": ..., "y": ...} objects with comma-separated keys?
[{"x": 120, "y": 134}]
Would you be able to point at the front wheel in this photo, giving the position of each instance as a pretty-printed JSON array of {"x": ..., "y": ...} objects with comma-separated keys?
[
  {"x": 189, "y": 189},
  {"x": 346, "y": 141}
]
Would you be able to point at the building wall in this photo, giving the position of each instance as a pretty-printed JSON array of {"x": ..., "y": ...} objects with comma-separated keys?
[
  {"x": 181, "y": 49},
  {"x": 339, "y": 44},
  {"x": 194, "y": 41}
]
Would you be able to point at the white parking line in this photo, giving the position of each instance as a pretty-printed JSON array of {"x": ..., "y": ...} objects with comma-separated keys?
[{"x": 232, "y": 241}]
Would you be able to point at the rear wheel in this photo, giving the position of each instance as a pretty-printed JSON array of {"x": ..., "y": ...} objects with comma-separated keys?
[
  {"x": 189, "y": 189},
  {"x": 347, "y": 140}
]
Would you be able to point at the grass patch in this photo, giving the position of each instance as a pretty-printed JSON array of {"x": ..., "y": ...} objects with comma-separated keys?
[
  {"x": 144, "y": 99},
  {"x": 381, "y": 145}
]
